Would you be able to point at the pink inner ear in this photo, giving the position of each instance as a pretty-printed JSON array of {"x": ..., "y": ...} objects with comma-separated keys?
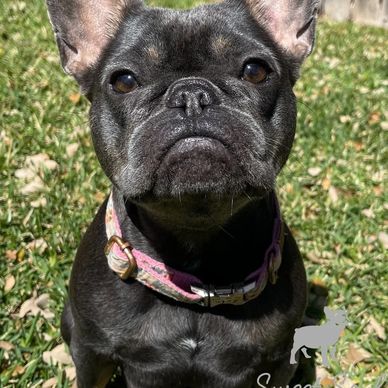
[{"x": 99, "y": 21}]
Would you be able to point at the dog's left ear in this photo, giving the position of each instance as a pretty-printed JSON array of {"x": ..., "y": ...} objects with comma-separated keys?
[{"x": 291, "y": 23}]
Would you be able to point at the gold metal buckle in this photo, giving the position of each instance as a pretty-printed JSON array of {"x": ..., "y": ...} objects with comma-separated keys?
[{"x": 126, "y": 249}]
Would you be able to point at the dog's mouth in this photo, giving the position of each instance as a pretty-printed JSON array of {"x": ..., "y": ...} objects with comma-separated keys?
[
  {"x": 196, "y": 147},
  {"x": 195, "y": 164}
]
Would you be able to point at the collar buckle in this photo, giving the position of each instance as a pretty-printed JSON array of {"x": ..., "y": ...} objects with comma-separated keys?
[
  {"x": 126, "y": 248},
  {"x": 235, "y": 294},
  {"x": 273, "y": 265}
]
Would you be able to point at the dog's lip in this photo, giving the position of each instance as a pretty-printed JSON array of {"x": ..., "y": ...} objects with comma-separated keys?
[
  {"x": 193, "y": 138},
  {"x": 185, "y": 142}
]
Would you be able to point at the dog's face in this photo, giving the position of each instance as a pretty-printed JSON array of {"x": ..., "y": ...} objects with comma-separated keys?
[{"x": 188, "y": 102}]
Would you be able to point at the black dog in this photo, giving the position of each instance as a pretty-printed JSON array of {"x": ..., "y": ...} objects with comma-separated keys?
[{"x": 193, "y": 116}]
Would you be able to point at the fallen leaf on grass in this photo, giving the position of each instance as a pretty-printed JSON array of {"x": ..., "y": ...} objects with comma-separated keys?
[
  {"x": 314, "y": 171},
  {"x": 71, "y": 149},
  {"x": 356, "y": 354},
  {"x": 374, "y": 118},
  {"x": 70, "y": 373},
  {"x": 36, "y": 305},
  {"x": 18, "y": 370},
  {"x": 33, "y": 166},
  {"x": 25, "y": 173},
  {"x": 50, "y": 383},
  {"x": 377, "y": 328},
  {"x": 324, "y": 377},
  {"x": 57, "y": 356},
  {"x": 383, "y": 238},
  {"x": 345, "y": 119},
  {"x": 368, "y": 213},
  {"x": 34, "y": 186},
  {"x": 100, "y": 197},
  {"x": 47, "y": 337},
  {"x": 40, "y": 202},
  {"x": 9, "y": 283},
  {"x": 75, "y": 97},
  {"x": 345, "y": 382},
  {"x": 326, "y": 183},
  {"x": 7, "y": 346},
  {"x": 39, "y": 162},
  {"x": 315, "y": 259},
  {"x": 333, "y": 194},
  {"x": 11, "y": 254},
  {"x": 39, "y": 245}
]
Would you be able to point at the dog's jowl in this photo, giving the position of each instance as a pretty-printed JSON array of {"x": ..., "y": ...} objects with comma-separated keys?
[{"x": 188, "y": 276}]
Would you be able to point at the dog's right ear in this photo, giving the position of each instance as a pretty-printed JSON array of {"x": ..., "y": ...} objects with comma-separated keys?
[{"x": 83, "y": 28}]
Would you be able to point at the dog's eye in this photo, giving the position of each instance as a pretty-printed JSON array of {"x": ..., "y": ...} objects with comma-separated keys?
[
  {"x": 256, "y": 72},
  {"x": 123, "y": 83}
]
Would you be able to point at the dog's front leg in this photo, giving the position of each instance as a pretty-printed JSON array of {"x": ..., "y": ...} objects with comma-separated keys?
[{"x": 92, "y": 371}]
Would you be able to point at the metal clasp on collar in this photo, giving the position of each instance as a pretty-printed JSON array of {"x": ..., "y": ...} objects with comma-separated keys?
[
  {"x": 234, "y": 294},
  {"x": 126, "y": 249},
  {"x": 273, "y": 266}
]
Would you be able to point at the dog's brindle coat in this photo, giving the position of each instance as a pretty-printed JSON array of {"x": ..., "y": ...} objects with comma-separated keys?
[{"x": 193, "y": 152}]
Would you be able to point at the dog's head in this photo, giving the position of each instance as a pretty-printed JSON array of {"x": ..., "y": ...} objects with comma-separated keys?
[{"x": 188, "y": 102}]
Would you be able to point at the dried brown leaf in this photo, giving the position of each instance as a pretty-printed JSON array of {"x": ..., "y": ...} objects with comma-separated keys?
[
  {"x": 377, "y": 328},
  {"x": 18, "y": 370},
  {"x": 368, "y": 213},
  {"x": 39, "y": 245},
  {"x": 356, "y": 354},
  {"x": 40, "y": 161},
  {"x": 36, "y": 305},
  {"x": 345, "y": 119},
  {"x": 11, "y": 254},
  {"x": 25, "y": 173},
  {"x": 345, "y": 382},
  {"x": 50, "y": 383},
  {"x": 57, "y": 356},
  {"x": 314, "y": 171},
  {"x": 7, "y": 346},
  {"x": 40, "y": 202},
  {"x": 383, "y": 238},
  {"x": 75, "y": 97},
  {"x": 36, "y": 185},
  {"x": 71, "y": 149},
  {"x": 324, "y": 377},
  {"x": 374, "y": 118},
  {"x": 326, "y": 183},
  {"x": 70, "y": 373},
  {"x": 333, "y": 194},
  {"x": 9, "y": 283}
]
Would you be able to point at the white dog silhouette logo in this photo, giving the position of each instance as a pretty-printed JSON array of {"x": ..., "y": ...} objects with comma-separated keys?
[{"x": 323, "y": 337}]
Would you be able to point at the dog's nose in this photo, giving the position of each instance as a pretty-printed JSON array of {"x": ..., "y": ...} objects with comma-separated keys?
[{"x": 191, "y": 95}]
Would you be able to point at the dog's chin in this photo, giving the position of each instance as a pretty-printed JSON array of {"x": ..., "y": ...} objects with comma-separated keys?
[{"x": 198, "y": 165}]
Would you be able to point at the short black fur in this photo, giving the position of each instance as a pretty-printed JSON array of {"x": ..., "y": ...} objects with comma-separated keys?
[{"x": 193, "y": 153}]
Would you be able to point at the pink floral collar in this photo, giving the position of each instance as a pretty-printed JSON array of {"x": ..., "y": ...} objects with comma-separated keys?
[{"x": 128, "y": 262}]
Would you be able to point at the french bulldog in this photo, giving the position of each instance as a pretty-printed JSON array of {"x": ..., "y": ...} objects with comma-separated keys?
[{"x": 187, "y": 277}]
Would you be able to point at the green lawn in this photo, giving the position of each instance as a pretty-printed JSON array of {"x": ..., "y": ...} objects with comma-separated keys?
[{"x": 333, "y": 189}]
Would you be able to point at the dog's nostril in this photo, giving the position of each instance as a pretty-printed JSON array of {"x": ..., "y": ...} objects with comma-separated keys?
[{"x": 205, "y": 99}]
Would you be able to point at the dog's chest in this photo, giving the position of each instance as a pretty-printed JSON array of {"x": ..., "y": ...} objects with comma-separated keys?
[{"x": 201, "y": 351}]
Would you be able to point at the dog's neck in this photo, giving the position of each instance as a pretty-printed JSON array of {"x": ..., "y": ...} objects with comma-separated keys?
[{"x": 219, "y": 241}]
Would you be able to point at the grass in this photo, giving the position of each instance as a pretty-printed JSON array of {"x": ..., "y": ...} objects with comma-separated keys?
[{"x": 332, "y": 190}]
